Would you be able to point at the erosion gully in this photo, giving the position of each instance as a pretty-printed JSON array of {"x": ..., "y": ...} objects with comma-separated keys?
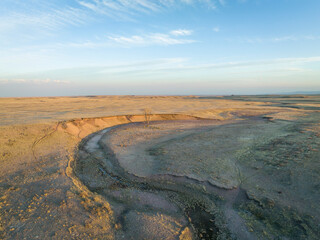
[{"x": 199, "y": 201}]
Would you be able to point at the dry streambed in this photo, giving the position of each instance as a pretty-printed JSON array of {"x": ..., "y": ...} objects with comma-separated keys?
[{"x": 206, "y": 180}]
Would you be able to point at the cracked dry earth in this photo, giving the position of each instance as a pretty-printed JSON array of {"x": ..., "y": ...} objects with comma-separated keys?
[{"x": 203, "y": 179}]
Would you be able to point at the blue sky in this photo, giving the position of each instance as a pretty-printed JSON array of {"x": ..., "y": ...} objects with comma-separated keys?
[{"x": 88, "y": 47}]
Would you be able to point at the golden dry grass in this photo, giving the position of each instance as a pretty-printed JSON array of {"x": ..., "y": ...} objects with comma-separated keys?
[
  {"x": 37, "y": 141},
  {"x": 15, "y": 111}
]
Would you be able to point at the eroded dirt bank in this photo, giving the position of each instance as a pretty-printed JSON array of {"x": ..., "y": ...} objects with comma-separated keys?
[{"x": 39, "y": 200}]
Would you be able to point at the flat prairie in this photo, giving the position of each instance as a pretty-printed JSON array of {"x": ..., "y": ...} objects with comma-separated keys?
[{"x": 160, "y": 167}]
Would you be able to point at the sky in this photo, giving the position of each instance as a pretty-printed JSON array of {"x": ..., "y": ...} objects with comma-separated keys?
[{"x": 158, "y": 47}]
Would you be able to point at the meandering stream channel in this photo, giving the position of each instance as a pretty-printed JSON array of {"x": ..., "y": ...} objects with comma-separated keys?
[{"x": 187, "y": 179}]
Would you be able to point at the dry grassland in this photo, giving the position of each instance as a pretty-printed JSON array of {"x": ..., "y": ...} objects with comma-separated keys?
[{"x": 41, "y": 197}]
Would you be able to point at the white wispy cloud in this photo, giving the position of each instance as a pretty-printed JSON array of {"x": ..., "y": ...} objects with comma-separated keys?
[
  {"x": 283, "y": 62},
  {"x": 174, "y": 37},
  {"x": 294, "y": 38},
  {"x": 171, "y": 67},
  {"x": 117, "y": 7},
  {"x": 142, "y": 65},
  {"x": 32, "y": 15},
  {"x": 48, "y": 19},
  {"x": 33, "y": 81},
  {"x": 150, "y": 39},
  {"x": 168, "y": 69},
  {"x": 153, "y": 39},
  {"x": 181, "y": 32},
  {"x": 278, "y": 39},
  {"x": 284, "y": 39},
  {"x": 120, "y": 9},
  {"x": 288, "y": 65}
]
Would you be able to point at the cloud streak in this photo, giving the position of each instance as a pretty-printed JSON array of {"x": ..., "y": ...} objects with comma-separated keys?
[
  {"x": 50, "y": 18},
  {"x": 168, "y": 66},
  {"x": 181, "y": 32},
  {"x": 32, "y": 81},
  {"x": 120, "y": 8},
  {"x": 279, "y": 39},
  {"x": 281, "y": 65},
  {"x": 173, "y": 38},
  {"x": 36, "y": 15}
]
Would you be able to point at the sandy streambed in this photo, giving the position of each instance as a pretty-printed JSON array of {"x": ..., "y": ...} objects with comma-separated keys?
[
  {"x": 194, "y": 179},
  {"x": 153, "y": 205}
]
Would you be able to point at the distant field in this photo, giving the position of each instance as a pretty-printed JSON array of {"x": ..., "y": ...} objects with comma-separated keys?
[
  {"x": 206, "y": 167},
  {"x": 15, "y": 111}
]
